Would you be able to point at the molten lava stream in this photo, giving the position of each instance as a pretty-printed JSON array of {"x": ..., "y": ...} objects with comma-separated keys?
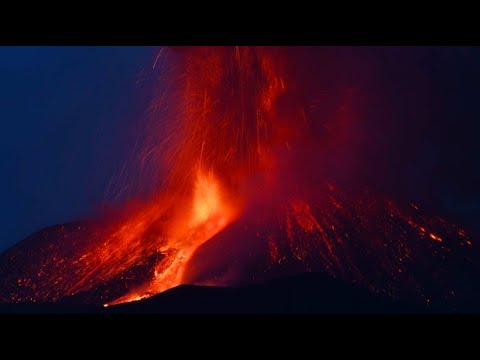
[{"x": 208, "y": 214}]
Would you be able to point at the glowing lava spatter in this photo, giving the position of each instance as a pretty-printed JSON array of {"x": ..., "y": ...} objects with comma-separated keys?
[
  {"x": 208, "y": 214},
  {"x": 222, "y": 155},
  {"x": 224, "y": 133}
]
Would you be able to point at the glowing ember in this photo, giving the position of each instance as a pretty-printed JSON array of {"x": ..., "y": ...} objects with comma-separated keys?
[{"x": 435, "y": 237}]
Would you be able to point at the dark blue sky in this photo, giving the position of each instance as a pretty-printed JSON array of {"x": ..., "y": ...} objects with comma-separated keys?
[{"x": 63, "y": 111}]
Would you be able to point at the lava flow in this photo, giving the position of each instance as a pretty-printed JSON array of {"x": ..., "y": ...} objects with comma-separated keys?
[
  {"x": 209, "y": 213},
  {"x": 233, "y": 208}
]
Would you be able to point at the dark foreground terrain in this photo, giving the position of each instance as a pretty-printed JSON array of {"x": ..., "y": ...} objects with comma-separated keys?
[{"x": 302, "y": 294}]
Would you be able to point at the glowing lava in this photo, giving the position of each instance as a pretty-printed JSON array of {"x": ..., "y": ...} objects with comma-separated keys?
[{"x": 209, "y": 213}]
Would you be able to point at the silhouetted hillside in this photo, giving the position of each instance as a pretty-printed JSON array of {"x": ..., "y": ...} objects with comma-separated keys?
[{"x": 302, "y": 294}]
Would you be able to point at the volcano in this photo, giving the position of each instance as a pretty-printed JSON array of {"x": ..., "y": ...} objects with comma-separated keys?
[
  {"x": 238, "y": 201},
  {"x": 399, "y": 254}
]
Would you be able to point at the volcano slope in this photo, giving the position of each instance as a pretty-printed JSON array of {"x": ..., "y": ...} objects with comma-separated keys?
[
  {"x": 41, "y": 273},
  {"x": 310, "y": 293}
]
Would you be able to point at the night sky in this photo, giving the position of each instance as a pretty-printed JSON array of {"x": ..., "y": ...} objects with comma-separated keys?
[
  {"x": 68, "y": 113},
  {"x": 64, "y": 111}
]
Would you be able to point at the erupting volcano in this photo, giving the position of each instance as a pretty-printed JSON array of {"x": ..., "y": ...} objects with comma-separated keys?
[{"x": 234, "y": 204}]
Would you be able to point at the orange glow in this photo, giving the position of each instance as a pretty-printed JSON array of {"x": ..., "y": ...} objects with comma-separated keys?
[
  {"x": 435, "y": 237},
  {"x": 206, "y": 199},
  {"x": 209, "y": 213},
  {"x": 220, "y": 137}
]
